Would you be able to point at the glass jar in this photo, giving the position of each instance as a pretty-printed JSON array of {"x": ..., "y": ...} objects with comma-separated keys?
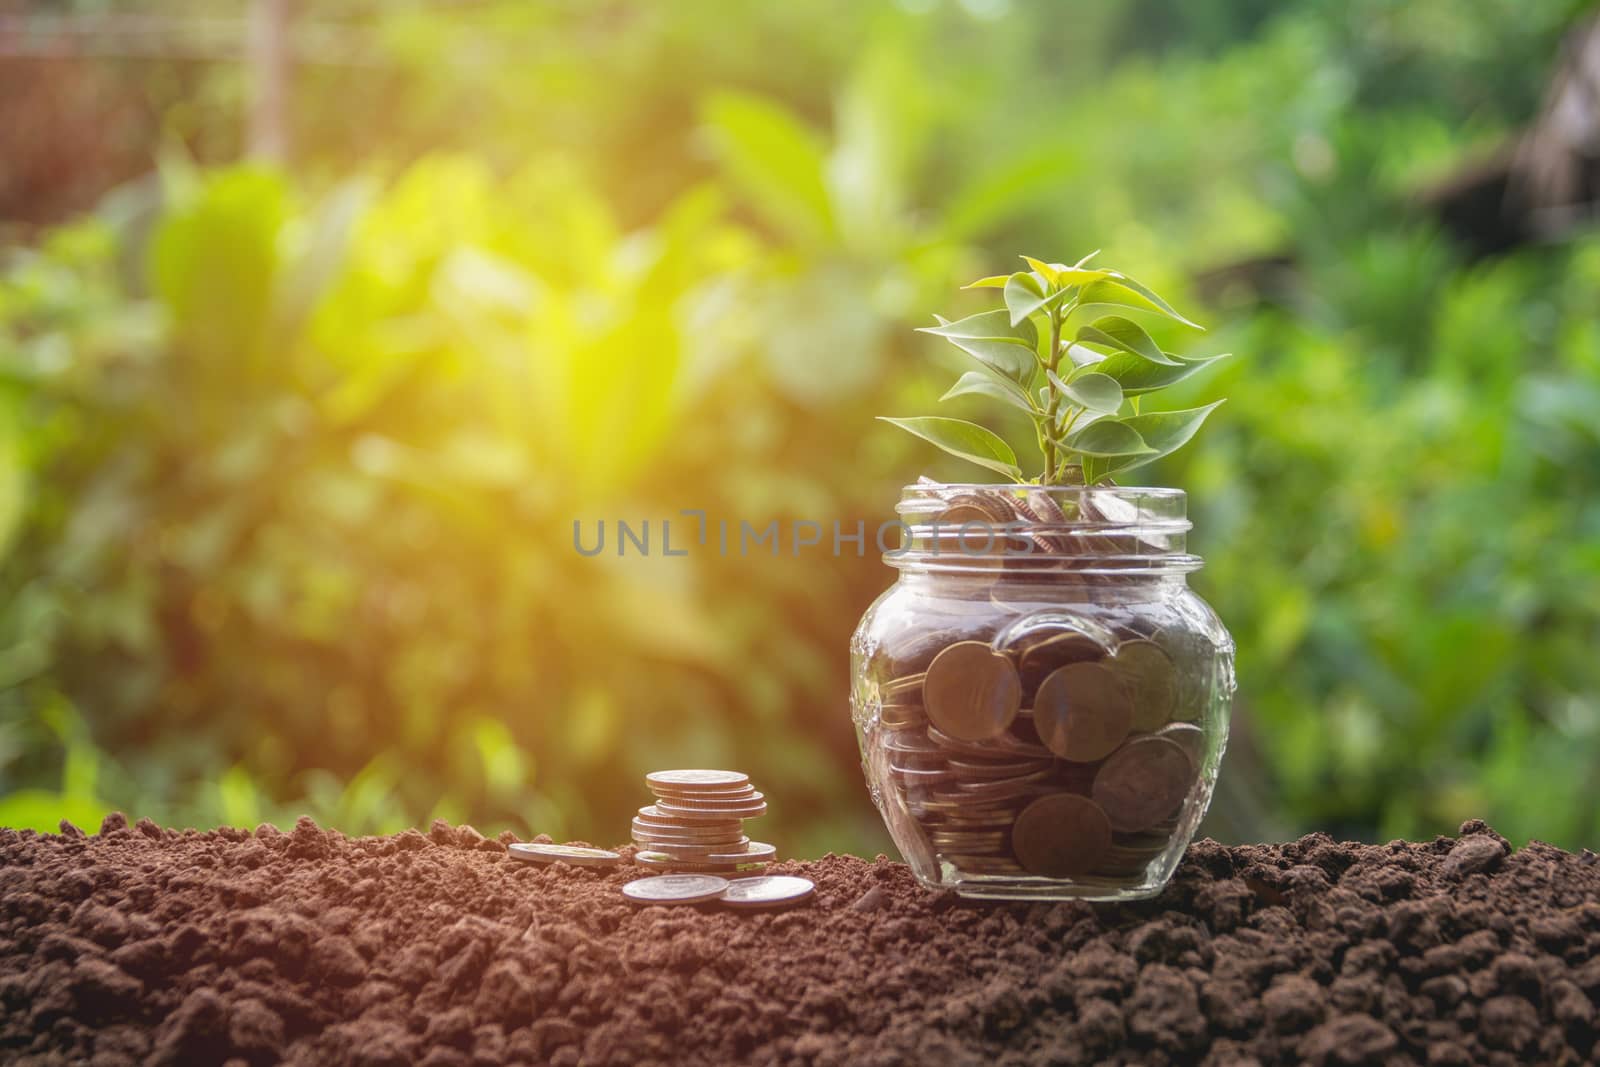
[{"x": 1041, "y": 701}]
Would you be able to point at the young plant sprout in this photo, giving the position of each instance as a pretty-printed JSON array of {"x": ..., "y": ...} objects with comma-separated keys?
[{"x": 1081, "y": 386}]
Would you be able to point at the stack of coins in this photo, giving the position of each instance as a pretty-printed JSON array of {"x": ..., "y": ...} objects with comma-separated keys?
[
  {"x": 697, "y": 823},
  {"x": 1027, "y": 740}
]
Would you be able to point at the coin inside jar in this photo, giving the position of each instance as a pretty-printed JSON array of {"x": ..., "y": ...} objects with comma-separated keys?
[
  {"x": 1082, "y": 712},
  {"x": 1189, "y": 736},
  {"x": 1143, "y": 782},
  {"x": 1152, "y": 683},
  {"x": 1061, "y": 835},
  {"x": 971, "y": 692}
]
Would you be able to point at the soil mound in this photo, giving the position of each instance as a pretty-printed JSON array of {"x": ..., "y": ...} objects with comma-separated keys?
[{"x": 144, "y": 945}]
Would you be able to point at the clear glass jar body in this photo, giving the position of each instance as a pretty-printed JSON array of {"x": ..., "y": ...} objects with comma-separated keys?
[{"x": 1041, "y": 701}]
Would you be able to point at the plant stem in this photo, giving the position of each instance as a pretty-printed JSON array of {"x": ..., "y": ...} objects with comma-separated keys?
[{"x": 1049, "y": 476}]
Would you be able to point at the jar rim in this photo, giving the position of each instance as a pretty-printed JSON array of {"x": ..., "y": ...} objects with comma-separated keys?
[{"x": 1052, "y": 530}]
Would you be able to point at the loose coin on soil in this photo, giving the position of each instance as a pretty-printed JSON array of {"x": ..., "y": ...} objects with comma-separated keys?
[
  {"x": 697, "y": 780},
  {"x": 971, "y": 692},
  {"x": 1152, "y": 683},
  {"x": 675, "y": 889},
  {"x": 767, "y": 891},
  {"x": 573, "y": 854},
  {"x": 1061, "y": 835},
  {"x": 1143, "y": 782},
  {"x": 1082, "y": 712}
]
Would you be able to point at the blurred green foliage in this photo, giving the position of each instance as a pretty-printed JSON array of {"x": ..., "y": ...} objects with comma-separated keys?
[{"x": 289, "y": 462}]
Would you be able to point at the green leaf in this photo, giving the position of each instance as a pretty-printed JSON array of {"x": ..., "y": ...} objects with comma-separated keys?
[
  {"x": 1164, "y": 431},
  {"x": 776, "y": 160},
  {"x": 1084, "y": 357},
  {"x": 1109, "y": 438},
  {"x": 1138, "y": 375},
  {"x": 990, "y": 385},
  {"x": 1095, "y": 391},
  {"x": 967, "y": 440},
  {"x": 993, "y": 281},
  {"x": 1026, "y": 293},
  {"x": 1044, "y": 270},
  {"x": 1114, "y": 287},
  {"x": 990, "y": 338},
  {"x": 1115, "y": 331}
]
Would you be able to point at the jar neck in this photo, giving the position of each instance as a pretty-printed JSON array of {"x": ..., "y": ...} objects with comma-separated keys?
[
  {"x": 1051, "y": 536},
  {"x": 1065, "y": 587}
]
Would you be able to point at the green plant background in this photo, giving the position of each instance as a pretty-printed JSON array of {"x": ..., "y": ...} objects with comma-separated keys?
[{"x": 290, "y": 456}]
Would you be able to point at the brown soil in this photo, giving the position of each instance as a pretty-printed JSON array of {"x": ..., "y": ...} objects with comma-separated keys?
[{"x": 143, "y": 944}]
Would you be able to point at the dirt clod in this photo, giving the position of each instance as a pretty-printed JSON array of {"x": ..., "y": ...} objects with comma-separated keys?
[{"x": 146, "y": 945}]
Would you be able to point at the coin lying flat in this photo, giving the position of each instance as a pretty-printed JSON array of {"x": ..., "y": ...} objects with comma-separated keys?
[
  {"x": 675, "y": 889},
  {"x": 697, "y": 780},
  {"x": 752, "y": 852},
  {"x": 767, "y": 891},
  {"x": 662, "y": 861},
  {"x": 1061, "y": 835},
  {"x": 1143, "y": 782},
  {"x": 685, "y": 851},
  {"x": 1082, "y": 712},
  {"x": 573, "y": 854},
  {"x": 1147, "y": 673},
  {"x": 746, "y": 811},
  {"x": 971, "y": 691},
  {"x": 702, "y": 815}
]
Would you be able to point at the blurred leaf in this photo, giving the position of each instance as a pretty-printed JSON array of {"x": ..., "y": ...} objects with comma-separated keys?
[
  {"x": 967, "y": 440},
  {"x": 776, "y": 159},
  {"x": 214, "y": 261}
]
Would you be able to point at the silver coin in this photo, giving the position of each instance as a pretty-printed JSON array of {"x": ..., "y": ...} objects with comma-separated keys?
[
  {"x": 699, "y": 779},
  {"x": 576, "y": 855},
  {"x": 675, "y": 889},
  {"x": 767, "y": 891}
]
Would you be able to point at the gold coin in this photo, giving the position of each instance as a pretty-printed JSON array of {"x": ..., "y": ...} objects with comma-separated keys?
[
  {"x": 1061, "y": 835},
  {"x": 1082, "y": 712},
  {"x": 971, "y": 692},
  {"x": 1152, "y": 684},
  {"x": 1143, "y": 782}
]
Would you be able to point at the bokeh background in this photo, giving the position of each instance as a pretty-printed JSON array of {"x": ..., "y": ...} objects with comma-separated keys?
[{"x": 320, "y": 322}]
